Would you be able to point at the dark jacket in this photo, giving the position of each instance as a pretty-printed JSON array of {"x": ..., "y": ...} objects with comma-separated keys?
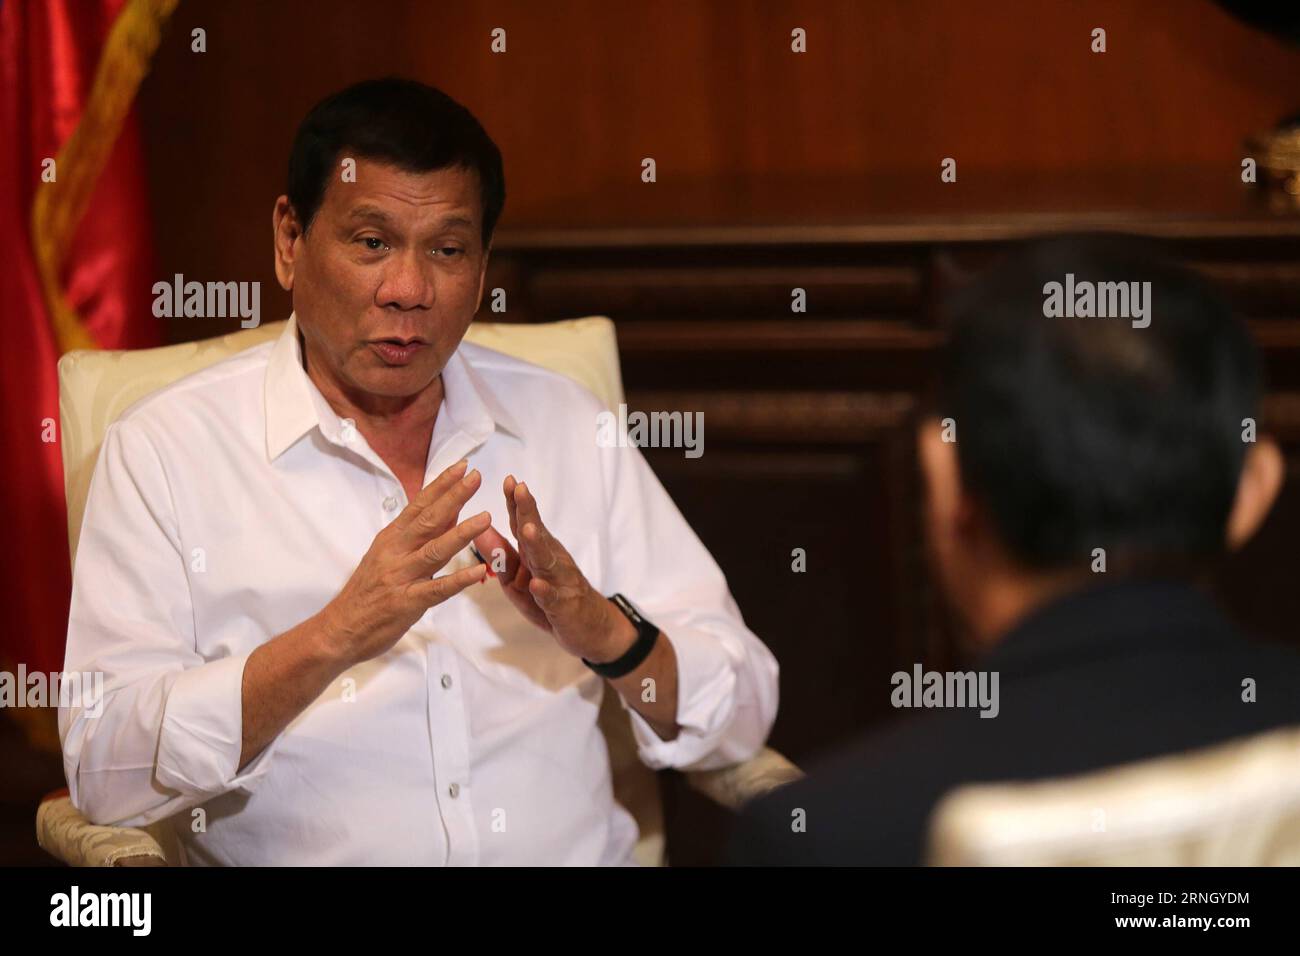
[{"x": 1113, "y": 674}]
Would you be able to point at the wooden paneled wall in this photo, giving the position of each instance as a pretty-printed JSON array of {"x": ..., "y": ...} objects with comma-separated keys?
[{"x": 709, "y": 88}]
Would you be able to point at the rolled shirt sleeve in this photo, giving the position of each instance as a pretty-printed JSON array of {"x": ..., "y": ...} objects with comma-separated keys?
[
  {"x": 727, "y": 679},
  {"x": 167, "y": 733},
  {"x": 202, "y": 732}
]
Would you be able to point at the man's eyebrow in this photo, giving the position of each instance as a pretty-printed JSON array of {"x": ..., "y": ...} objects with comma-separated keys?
[
  {"x": 451, "y": 221},
  {"x": 372, "y": 213},
  {"x": 375, "y": 214}
]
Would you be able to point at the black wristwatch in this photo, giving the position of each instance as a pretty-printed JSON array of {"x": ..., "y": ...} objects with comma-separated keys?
[{"x": 646, "y": 635}]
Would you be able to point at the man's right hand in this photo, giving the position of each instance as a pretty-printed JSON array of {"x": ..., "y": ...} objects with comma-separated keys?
[{"x": 392, "y": 586}]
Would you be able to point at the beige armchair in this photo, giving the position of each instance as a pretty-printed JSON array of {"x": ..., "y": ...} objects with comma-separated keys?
[
  {"x": 95, "y": 387},
  {"x": 1237, "y": 804}
]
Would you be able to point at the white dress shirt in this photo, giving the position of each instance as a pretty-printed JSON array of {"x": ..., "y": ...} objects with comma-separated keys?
[{"x": 235, "y": 503}]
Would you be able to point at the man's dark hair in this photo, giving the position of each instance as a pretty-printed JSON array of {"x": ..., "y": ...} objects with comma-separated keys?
[
  {"x": 411, "y": 125},
  {"x": 1083, "y": 433}
]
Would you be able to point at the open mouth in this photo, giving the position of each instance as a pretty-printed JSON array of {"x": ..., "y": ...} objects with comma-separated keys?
[{"x": 396, "y": 351}]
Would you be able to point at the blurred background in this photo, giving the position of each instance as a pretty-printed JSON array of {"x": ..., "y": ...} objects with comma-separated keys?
[{"x": 775, "y": 170}]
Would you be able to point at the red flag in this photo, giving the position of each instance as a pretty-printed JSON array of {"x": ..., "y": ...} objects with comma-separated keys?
[{"x": 50, "y": 51}]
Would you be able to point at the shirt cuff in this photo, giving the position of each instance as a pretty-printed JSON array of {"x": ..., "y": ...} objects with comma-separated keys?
[
  {"x": 202, "y": 732},
  {"x": 706, "y": 701}
]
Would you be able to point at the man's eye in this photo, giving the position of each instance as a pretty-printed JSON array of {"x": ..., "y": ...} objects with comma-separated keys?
[
  {"x": 449, "y": 252},
  {"x": 373, "y": 243}
]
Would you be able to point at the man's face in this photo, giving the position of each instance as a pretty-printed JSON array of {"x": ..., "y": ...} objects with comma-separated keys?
[{"x": 388, "y": 278}]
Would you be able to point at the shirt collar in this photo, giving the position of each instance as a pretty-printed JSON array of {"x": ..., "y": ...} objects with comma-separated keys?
[
  {"x": 475, "y": 405},
  {"x": 294, "y": 405}
]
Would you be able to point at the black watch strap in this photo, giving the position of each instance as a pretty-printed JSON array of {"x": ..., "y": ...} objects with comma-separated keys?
[{"x": 646, "y": 635}]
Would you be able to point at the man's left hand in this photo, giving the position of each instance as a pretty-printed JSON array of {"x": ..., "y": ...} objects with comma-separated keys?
[{"x": 543, "y": 581}]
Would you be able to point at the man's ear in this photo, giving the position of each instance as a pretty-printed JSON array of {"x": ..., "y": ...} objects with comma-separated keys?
[
  {"x": 482, "y": 277},
  {"x": 1257, "y": 489},
  {"x": 286, "y": 233},
  {"x": 944, "y": 496}
]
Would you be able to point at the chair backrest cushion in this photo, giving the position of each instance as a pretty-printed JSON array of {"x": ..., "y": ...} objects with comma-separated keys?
[{"x": 1236, "y": 804}]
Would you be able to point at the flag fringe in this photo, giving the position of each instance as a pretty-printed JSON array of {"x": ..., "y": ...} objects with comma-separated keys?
[{"x": 59, "y": 205}]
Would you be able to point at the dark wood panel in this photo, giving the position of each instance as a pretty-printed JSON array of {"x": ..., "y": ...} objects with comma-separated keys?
[
  {"x": 837, "y": 626},
  {"x": 753, "y": 290}
]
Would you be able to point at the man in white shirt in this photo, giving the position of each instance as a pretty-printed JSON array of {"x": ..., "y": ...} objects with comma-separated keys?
[{"x": 254, "y": 570}]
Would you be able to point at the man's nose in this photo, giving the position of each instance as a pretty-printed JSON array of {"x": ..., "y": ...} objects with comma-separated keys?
[{"x": 407, "y": 283}]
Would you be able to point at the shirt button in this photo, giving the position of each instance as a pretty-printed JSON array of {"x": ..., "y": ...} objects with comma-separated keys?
[
  {"x": 390, "y": 503},
  {"x": 446, "y": 681},
  {"x": 454, "y": 790}
]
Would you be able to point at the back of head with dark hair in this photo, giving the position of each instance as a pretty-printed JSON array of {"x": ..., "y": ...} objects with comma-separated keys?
[
  {"x": 411, "y": 125},
  {"x": 1083, "y": 433}
]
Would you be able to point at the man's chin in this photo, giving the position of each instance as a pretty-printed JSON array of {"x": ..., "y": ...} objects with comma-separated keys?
[{"x": 397, "y": 381}]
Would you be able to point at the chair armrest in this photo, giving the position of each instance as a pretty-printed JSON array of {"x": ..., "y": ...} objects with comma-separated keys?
[
  {"x": 734, "y": 786},
  {"x": 68, "y": 836}
]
